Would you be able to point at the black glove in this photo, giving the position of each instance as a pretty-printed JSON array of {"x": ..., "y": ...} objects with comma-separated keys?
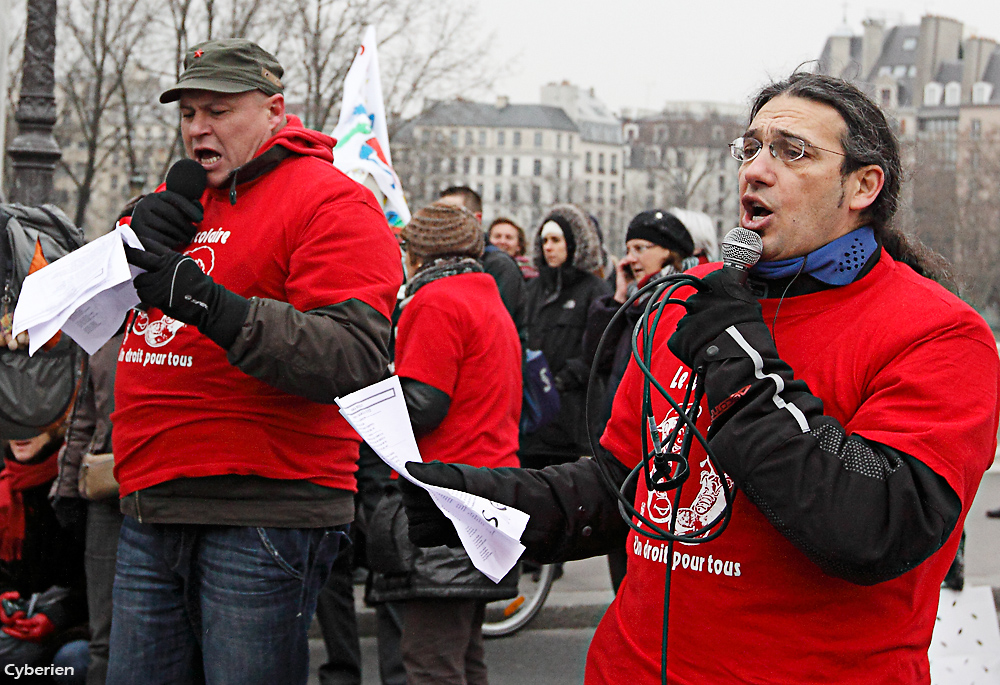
[
  {"x": 428, "y": 527},
  {"x": 175, "y": 284},
  {"x": 710, "y": 311},
  {"x": 167, "y": 218}
]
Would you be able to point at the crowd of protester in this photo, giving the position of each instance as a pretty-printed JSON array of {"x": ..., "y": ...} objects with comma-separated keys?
[{"x": 117, "y": 583}]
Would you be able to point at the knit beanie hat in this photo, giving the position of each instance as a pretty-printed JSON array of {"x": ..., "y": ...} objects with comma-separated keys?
[
  {"x": 439, "y": 230},
  {"x": 661, "y": 228}
]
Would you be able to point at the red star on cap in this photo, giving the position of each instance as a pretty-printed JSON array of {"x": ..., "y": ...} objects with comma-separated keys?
[{"x": 198, "y": 53}]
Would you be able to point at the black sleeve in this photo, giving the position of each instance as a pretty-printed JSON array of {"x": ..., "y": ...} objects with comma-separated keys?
[
  {"x": 574, "y": 515},
  {"x": 602, "y": 311},
  {"x": 861, "y": 510},
  {"x": 426, "y": 405}
]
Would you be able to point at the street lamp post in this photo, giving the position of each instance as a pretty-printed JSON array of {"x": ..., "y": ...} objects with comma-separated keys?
[
  {"x": 4, "y": 12},
  {"x": 34, "y": 152}
]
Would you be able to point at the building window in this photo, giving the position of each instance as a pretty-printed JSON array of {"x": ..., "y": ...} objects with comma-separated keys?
[
  {"x": 466, "y": 165},
  {"x": 681, "y": 159},
  {"x": 481, "y": 165},
  {"x": 558, "y": 168},
  {"x": 479, "y": 189},
  {"x": 600, "y": 163},
  {"x": 517, "y": 139},
  {"x": 501, "y": 138},
  {"x": 586, "y": 192},
  {"x": 538, "y": 139},
  {"x": 612, "y": 219},
  {"x": 650, "y": 201},
  {"x": 513, "y": 192},
  {"x": 569, "y": 143},
  {"x": 614, "y": 164},
  {"x": 499, "y": 166},
  {"x": 722, "y": 183},
  {"x": 910, "y": 44},
  {"x": 559, "y": 141},
  {"x": 886, "y": 97},
  {"x": 436, "y": 165},
  {"x": 497, "y": 193},
  {"x": 514, "y": 164},
  {"x": 536, "y": 193},
  {"x": 454, "y": 138},
  {"x": 588, "y": 164},
  {"x": 600, "y": 192},
  {"x": 570, "y": 171},
  {"x": 468, "y": 138},
  {"x": 423, "y": 165},
  {"x": 975, "y": 128},
  {"x": 613, "y": 193},
  {"x": 661, "y": 134},
  {"x": 452, "y": 165},
  {"x": 482, "y": 139},
  {"x": 538, "y": 167}
]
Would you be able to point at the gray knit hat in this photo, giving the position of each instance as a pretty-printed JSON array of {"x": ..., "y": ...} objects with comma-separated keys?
[{"x": 439, "y": 230}]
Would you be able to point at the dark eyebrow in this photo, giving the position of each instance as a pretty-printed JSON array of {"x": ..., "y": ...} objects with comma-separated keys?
[{"x": 782, "y": 132}]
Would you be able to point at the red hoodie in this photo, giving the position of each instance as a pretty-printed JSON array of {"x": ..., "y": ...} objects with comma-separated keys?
[{"x": 302, "y": 233}]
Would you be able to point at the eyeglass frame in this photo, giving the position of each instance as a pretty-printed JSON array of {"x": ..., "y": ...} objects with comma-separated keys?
[
  {"x": 640, "y": 249},
  {"x": 774, "y": 154}
]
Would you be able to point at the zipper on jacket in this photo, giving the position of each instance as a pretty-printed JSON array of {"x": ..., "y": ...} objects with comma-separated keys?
[{"x": 138, "y": 509}]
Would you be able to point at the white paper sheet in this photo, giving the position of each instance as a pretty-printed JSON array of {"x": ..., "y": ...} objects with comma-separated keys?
[
  {"x": 490, "y": 532},
  {"x": 86, "y": 294}
]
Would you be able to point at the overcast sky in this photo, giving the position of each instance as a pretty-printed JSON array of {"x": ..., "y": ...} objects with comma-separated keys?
[{"x": 642, "y": 53}]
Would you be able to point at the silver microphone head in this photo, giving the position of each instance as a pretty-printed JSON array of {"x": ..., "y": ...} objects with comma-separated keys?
[{"x": 741, "y": 249}]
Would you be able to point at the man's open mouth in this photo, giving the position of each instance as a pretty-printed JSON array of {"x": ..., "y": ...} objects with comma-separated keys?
[{"x": 207, "y": 157}]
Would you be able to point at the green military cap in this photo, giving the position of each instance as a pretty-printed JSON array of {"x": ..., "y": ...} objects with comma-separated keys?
[{"x": 230, "y": 65}]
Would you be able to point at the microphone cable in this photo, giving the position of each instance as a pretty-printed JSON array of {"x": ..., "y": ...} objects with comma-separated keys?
[{"x": 666, "y": 466}]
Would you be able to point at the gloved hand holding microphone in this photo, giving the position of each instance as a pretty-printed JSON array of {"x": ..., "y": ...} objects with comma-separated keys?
[{"x": 173, "y": 282}]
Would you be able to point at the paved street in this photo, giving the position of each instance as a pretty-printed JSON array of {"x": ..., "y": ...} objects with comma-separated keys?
[{"x": 552, "y": 649}]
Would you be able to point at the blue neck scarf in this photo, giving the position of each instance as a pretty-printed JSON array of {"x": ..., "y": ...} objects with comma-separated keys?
[{"x": 836, "y": 263}]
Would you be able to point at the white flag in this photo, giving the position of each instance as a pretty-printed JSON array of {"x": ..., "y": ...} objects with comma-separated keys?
[{"x": 362, "y": 137}]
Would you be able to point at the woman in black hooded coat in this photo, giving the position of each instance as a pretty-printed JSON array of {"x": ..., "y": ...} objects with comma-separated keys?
[{"x": 569, "y": 258}]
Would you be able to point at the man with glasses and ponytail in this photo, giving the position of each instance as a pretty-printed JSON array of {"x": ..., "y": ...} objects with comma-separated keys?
[{"x": 850, "y": 399}]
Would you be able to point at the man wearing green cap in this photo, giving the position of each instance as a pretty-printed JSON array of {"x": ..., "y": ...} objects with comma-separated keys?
[{"x": 236, "y": 471}]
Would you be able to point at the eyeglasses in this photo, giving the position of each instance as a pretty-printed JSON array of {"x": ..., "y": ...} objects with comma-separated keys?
[
  {"x": 638, "y": 249},
  {"x": 785, "y": 148}
]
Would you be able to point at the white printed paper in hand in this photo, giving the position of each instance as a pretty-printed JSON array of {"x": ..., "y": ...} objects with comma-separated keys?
[
  {"x": 86, "y": 293},
  {"x": 490, "y": 532}
]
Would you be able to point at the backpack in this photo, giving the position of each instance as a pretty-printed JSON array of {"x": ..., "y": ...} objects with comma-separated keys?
[
  {"x": 540, "y": 404},
  {"x": 35, "y": 392}
]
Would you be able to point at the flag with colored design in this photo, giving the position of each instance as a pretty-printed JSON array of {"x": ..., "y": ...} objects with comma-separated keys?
[{"x": 362, "y": 136}]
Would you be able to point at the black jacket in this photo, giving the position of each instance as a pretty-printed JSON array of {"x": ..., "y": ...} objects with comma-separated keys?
[{"x": 558, "y": 304}]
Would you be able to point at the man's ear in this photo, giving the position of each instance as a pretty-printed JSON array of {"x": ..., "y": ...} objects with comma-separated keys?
[
  {"x": 276, "y": 112},
  {"x": 868, "y": 182}
]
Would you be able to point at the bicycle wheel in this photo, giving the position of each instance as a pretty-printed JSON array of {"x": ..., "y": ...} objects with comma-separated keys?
[{"x": 506, "y": 617}]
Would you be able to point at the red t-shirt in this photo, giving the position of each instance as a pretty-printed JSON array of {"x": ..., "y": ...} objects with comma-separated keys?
[
  {"x": 303, "y": 233},
  {"x": 896, "y": 359},
  {"x": 456, "y": 336}
]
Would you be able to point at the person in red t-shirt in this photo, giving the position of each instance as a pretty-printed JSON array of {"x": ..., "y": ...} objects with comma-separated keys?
[
  {"x": 265, "y": 298},
  {"x": 458, "y": 359},
  {"x": 849, "y": 399}
]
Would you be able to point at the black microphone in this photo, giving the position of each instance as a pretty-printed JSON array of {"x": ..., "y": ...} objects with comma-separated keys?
[
  {"x": 741, "y": 249},
  {"x": 187, "y": 178}
]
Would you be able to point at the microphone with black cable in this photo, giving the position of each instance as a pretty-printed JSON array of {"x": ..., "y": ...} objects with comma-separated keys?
[{"x": 741, "y": 250}]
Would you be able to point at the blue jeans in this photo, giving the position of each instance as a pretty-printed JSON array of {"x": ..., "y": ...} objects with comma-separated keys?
[{"x": 216, "y": 604}]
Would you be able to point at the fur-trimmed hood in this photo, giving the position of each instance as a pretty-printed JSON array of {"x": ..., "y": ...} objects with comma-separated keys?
[{"x": 588, "y": 254}]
